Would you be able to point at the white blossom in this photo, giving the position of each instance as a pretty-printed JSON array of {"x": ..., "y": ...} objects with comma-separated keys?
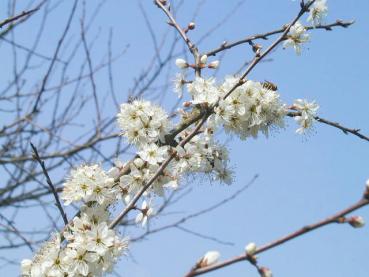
[
  {"x": 145, "y": 212},
  {"x": 203, "y": 91},
  {"x": 79, "y": 259},
  {"x": 318, "y": 11},
  {"x": 179, "y": 82},
  {"x": 153, "y": 154},
  {"x": 296, "y": 36},
  {"x": 100, "y": 238},
  {"x": 307, "y": 114}
]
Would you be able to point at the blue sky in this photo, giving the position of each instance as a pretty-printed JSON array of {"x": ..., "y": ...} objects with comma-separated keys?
[{"x": 302, "y": 179}]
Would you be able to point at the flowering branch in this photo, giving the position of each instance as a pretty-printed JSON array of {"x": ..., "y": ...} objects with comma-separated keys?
[
  {"x": 241, "y": 81},
  {"x": 204, "y": 114},
  {"x": 88, "y": 244},
  {"x": 336, "y": 218},
  {"x": 264, "y": 36},
  {"x": 131, "y": 205}
]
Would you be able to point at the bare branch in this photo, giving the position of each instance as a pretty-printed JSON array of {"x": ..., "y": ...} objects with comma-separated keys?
[
  {"x": 336, "y": 218},
  {"x": 14, "y": 18},
  {"x": 48, "y": 180}
]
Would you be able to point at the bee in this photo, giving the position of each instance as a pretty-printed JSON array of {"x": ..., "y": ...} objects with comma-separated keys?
[{"x": 269, "y": 85}]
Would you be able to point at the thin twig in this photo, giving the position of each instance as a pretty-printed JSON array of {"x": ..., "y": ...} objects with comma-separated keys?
[
  {"x": 345, "y": 130},
  {"x": 173, "y": 22},
  {"x": 14, "y": 18},
  {"x": 264, "y": 36},
  {"x": 48, "y": 180},
  {"x": 336, "y": 218},
  {"x": 191, "y": 46}
]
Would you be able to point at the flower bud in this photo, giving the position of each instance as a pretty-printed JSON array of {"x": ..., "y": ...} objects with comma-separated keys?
[
  {"x": 366, "y": 193},
  {"x": 211, "y": 257},
  {"x": 138, "y": 162},
  {"x": 356, "y": 221},
  {"x": 265, "y": 272},
  {"x": 26, "y": 266},
  {"x": 181, "y": 63},
  {"x": 191, "y": 25},
  {"x": 214, "y": 64},
  {"x": 204, "y": 59},
  {"x": 187, "y": 104},
  {"x": 250, "y": 249},
  {"x": 113, "y": 172}
]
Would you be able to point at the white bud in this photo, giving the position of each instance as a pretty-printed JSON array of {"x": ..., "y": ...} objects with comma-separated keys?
[
  {"x": 356, "y": 221},
  {"x": 181, "y": 63},
  {"x": 204, "y": 59},
  {"x": 113, "y": 172},
  {"x": 138, "y": 162},
  {"x": 265, "y": 272},
  {"x": 109, "y": 181},
  {"x": 214, "y": 64},
  {"x": 191, "y": 25},
  {"x": 127, "y": 199},
  {"x": 367, "y": 184},
  {"x": 26, "y": 266},
  {"x": 211, "y": 257},
  {"x": 251, "y": 248}
]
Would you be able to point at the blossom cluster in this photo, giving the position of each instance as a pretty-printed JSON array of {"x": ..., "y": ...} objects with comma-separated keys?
[
  {"x": 91, "y": 249},
  {"x": 142, "y": 122},
  {"x": 89, "y": 183},
  {"x": 251, "y": 108},
  {"x": 88, "y": 247},
  {"x": 201, "y": 155}
]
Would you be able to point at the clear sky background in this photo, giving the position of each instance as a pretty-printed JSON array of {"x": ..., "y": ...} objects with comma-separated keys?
[{"x": 302, "y": 178}]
